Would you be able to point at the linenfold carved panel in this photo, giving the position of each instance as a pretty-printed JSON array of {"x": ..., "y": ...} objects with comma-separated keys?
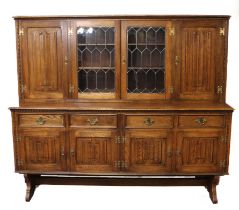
[
  {"x": 42, "y": 150},
  {"x": 93, "y": 150},
  {"x": 198, "y": 62},
  {"x": 148, "y": 151},
  {"x": 199, "y": 150},
  {"x": 43, "y": 58}
]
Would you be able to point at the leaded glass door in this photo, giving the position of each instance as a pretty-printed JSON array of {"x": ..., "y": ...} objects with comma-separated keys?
[
  {"x": 95, "y": 49},
  {"x": 145, "y": 61}
]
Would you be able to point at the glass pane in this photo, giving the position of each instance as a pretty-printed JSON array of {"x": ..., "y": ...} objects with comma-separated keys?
[
  {"x": 146, "y": 60},
  {"x": 96, "y": 64}
]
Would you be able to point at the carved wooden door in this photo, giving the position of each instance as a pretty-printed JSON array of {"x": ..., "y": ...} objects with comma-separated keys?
[
  {"x": 201, "y": 151},
  {"x": 93, "y": 151},
  {"x": 41, "y": 150},
  {"x": 43, "y": 51},
  {"x": 148, "y": 152},
  {"x": 199, "y": 59}
]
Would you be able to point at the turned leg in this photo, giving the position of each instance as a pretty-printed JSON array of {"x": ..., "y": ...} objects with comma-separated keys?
[
  {"x": 211, "y": 187},
  {"x": 31, "y": 186}
]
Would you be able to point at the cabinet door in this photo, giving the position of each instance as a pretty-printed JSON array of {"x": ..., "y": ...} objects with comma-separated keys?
[
  {"x": 93, "y": 151},
  {"x": 41, "y": 150},
  {"x": 199, "y": 60},
  {"x": 145, "y": 62},
  {"x": 95, "y": 61},
  {"x": 148, "y": 151},
  {"x": 43, "y": 51},
  {"x": 201, "y": 151}
]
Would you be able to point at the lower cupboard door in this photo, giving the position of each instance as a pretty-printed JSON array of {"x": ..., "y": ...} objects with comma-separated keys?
[
  {"x": 93, "y": 151},
  {"x": 201, "y": 151},
  {"x": 41, "y": 151},
  {"x": 148, "y": 152}
]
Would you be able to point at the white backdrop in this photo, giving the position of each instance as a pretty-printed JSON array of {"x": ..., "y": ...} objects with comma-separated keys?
[{"x": 12, "y": 187}]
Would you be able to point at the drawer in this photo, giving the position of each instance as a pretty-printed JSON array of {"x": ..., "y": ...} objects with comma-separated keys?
[
  {"x": 198, "y": 121},
  {"x": 149, "y": 121},
  {"x": 40, "y": 120},
  {"x": 92, "y": 120}
]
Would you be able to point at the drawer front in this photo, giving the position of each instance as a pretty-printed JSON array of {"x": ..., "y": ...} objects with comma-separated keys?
[
  {"x": 92, "y": 120},
  {"x": 199, "y": 121},
  {"x": 40, "y": 120},
  {"x": 149, "y": 121}
]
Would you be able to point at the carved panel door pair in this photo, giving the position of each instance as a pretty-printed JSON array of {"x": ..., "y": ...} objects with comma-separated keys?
[
  {"x": 149, "y": 59},
  {"x": 188, "y": 152}
]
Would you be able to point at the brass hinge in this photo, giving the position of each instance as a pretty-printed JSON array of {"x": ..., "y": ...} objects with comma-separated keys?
[
  {"x": 171, "y": 31},
  {"x": 18, "y": 139},
  {"x": 120, "y": 139},
  {"x": 66, "y": 60},
  {"x": 219, "y": 89},
  {"x": 171, "y": 89},
  {"x": 71, "y": 89},
  {"x": 70, "y": 31},
  {"x": 223, "y": 139},
  {"x": 19, "y": 162},
  {"x": 120, "y": 164},
  {"x": 177, "y": 60},
  {"x": 222, "y": 164},
  {"x": 21, "y": 32},
  {"x": 222, "y": 31},
  {"x": 23, "y": 88}
]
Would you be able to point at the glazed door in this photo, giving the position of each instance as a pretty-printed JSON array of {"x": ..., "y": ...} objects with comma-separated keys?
[
  {"x": 148, "y": 152},
  {"x": 200, "y": 59},
  {"x": 95, "y": 61},
  {"x": 41, "y": 150},
  {"x": 145, "y": 59},
  {"x": 43, "y": 50},
  {"x": 93, "y": 151},
  {"x": 200, "y": 151}
]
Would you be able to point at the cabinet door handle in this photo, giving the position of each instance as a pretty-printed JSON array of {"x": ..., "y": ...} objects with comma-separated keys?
[
  {"x": 201, "y": 121},
  {"x": 40, "y": 121},
  {"x": 72, "y": 152},
  {"x": 62, "y": 151},
  {"x": 148, "y": 121},
  {"x": 92, "y": 121}
]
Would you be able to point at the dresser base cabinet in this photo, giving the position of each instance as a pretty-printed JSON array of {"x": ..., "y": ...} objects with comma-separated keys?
[{"x": 121, "y": 147}]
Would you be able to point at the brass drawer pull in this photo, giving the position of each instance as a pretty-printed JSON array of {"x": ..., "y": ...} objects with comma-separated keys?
[
  {"x": 148, "y": 121},
  {"x": 92, "y": 121},
  {"x": 201, "y": 121},
  {"x": 40, "y": 121}
]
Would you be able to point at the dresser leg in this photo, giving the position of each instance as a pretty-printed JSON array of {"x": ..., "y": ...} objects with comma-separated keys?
[
  {"x": 31, "y": 186},
  {"x": 211, "y": 187}
]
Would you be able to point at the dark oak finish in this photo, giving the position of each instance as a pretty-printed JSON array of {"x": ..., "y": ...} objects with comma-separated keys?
[{"x": 122, "y": 100}]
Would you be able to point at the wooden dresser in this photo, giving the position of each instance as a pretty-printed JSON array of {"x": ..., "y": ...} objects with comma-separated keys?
[{"x": 122, "y": 100}]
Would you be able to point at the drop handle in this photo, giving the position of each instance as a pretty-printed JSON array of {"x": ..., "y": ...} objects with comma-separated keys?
[
  {"x": 92, "y": 121},
  {"x": 148, "y": 121},
  {"x": 201, "y": 121},
  {"x": 40, "y": 121}
]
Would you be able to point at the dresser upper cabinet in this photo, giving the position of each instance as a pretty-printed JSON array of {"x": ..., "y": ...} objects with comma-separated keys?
[
  {"x": 43, "y": 48},
  {"x": 152, "y": 59}
]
